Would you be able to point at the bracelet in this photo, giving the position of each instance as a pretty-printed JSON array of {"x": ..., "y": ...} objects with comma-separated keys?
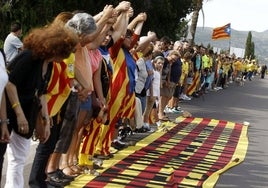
[
  {"x": 15, "y": 104},
  {"x": 4, "y": 121}
]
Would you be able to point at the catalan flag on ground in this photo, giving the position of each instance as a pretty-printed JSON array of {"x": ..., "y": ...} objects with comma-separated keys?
[
  {"x": 193, "y": 152},
  {"x": 223, "y": 32}
]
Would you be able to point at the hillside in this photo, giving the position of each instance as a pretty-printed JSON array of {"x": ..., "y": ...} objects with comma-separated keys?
[{"x": 238, "y": 40}]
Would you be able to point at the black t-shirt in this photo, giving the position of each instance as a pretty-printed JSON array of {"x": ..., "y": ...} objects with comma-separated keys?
[
  {"x": 165, "y": 70},
  {"x": 25, "y": 73},
  {"x": 175, "y": 71}
]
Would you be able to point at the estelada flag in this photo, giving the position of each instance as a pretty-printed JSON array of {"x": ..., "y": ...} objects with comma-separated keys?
[
  {"x": 59, "y": 88},
  {"x": 223, "y": 32}
]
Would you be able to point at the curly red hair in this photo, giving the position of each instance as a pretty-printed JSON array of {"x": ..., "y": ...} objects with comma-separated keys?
[{"x": 51, "y": 41}]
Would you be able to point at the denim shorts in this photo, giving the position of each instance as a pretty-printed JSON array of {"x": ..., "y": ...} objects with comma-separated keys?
[{"x": 87, "y": 104}]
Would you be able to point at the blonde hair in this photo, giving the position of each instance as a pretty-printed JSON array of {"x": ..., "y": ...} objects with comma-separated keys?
[
  {"x": 148, "y": 50},
  {"x": 174, "y": 52}
]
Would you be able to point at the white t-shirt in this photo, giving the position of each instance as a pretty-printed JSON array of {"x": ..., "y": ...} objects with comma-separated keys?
[
  {"x": 11, "y": 46},
  {"x": 142, "y": 75},
  {"x": 3, "y": 76},
  {"x": 156, "y": 85}
]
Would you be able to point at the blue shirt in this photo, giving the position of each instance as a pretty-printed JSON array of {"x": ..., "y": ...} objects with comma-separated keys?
[
  {"x": 149, "y": 67},
  {"x": 131, "y": 68}
]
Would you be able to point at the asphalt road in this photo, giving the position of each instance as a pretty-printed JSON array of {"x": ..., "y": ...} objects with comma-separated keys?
[{"x": 238, "y": 104}]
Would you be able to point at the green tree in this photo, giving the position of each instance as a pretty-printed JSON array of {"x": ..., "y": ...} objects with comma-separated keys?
[
  {"x": 197, "y": 6},
  {"x": 164, "y": 16},
  {"x": 249, "y": 47}
]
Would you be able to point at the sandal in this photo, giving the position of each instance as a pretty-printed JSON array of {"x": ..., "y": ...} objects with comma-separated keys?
[
  {"x": 76, "y": 169},
  {"x": 69, "y": 172},
  {"x": 165, "y": 118}
]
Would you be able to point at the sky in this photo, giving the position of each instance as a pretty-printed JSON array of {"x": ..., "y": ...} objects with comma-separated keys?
[{"x": 244, "y": 15}]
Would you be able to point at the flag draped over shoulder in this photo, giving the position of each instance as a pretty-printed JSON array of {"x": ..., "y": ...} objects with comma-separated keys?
[{"x": 223, "y": 32}]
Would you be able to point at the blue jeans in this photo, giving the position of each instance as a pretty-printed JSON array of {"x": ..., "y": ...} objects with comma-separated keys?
[{"x": 250, "y": 73}]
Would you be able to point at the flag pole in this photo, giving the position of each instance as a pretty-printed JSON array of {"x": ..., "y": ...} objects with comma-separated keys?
[
  {"x": 230, "y": 45},
  {"x": 230, "y": 39}
]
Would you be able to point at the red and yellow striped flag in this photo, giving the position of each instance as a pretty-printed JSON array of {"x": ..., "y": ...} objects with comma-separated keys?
[
  {"x": 223, "y": 32},
  {"x": 58, "y": 87}
]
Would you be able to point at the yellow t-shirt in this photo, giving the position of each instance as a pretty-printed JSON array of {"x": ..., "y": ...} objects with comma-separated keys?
[
  {"x": 238, "y": 66},
  {"x": 70, "y": 65},
  {"x": 184, "y": 69},
  {"x": 250, "y": 67},
  {"x": 225, "y": 68},
  {"x": 205, "y": 62}
]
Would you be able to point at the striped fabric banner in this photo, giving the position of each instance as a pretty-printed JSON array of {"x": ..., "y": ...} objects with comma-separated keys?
[
  {"x": 193, "y": 86},
  {"x": 192, "y": 153},
  {"x": 58, "y": 88},
  {"x": 223, "y": 32}
]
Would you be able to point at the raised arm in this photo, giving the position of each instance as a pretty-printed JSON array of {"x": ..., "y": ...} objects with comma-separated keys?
[
  {"x": 106, "y": 14},
  {"x": 139, "y": 18},
  {"x": 125, "y": 12},
  {"x": 151, "y": 36}
]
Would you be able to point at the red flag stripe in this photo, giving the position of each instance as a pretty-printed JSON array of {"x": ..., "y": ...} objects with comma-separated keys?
[
  {"x": 230, "y": 150},
  {"x": 139, "y": 153},
  {"x": 194, "y": 149},
  {"x": 190, "y": 163},
  {"x": 175, "y": 152}
]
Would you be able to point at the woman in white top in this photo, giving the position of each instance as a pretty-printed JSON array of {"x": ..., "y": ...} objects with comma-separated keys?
[
  {"x": 4, "y": 133},
  {"x": 3, "y": 117},
  {"x": 154, "y": 92}
]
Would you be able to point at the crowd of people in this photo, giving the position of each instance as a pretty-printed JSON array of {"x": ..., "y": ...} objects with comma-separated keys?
[{"x": 77, "y": 82}]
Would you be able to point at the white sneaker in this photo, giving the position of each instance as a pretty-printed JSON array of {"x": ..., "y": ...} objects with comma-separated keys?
[
  {"x": 181, "y": 96},
  {"x": 174, "y": 110},
  {"x": 186, "y": 98},
  {"x": 146, "y": 126},
  {"x": 178, "y": 108},
  {"x": 168, "y": 110},
  {"x": 158, "y": 123}
]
